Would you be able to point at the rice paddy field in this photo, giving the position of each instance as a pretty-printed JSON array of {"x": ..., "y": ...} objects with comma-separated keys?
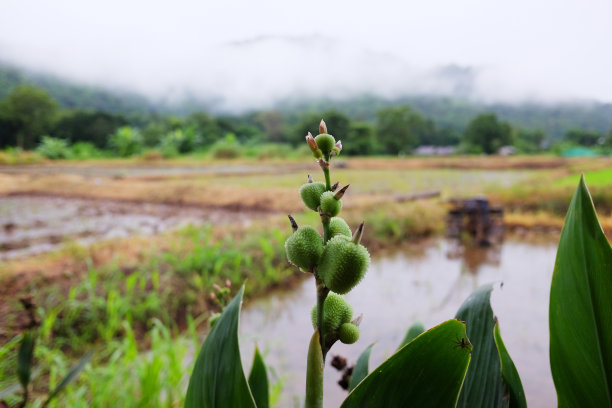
[{"x": 121, "y": 256}]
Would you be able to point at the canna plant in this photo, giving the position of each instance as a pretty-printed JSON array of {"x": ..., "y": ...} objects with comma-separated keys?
[{"x": 425, "y": 364}]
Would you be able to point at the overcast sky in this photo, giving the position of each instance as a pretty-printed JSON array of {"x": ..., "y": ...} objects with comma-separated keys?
[{"x": 248, "y": 53}]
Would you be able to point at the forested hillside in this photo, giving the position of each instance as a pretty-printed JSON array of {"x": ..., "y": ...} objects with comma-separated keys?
[
  {"x": 555, "y": 120},
  {"x": 71, "y": 95}
]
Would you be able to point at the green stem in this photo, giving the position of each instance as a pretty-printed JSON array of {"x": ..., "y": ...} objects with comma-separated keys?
[
  {"x": 322, "y": 292},
  {"x": 326, "y": 233},
  {"x": 326, "y": 173},
  {"x": 327, "y": 179}
]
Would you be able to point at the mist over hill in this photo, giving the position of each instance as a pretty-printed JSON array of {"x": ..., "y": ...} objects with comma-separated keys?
[{"x": 453, "y": 105}]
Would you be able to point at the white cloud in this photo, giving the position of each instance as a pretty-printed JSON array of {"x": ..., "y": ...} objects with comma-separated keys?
[{"x": 252, "y": 53}]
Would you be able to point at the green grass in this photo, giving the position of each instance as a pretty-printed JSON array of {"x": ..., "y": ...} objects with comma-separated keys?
[{"x": 597, "y": 178}]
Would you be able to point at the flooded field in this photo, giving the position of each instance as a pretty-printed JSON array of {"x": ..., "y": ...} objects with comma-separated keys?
[
  {"x": 32, "y": 224},
  {"x": 428, "y": 284}
]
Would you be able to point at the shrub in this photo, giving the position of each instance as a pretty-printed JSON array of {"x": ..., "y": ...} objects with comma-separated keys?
[
  {"x": 54, "y": 148},
  {"x": 126, "y": 141}
]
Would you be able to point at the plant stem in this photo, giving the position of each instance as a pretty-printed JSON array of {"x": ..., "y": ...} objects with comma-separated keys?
[
  {"x": 326, "y": 174},
  {"x": 327, "y": 179},
  {"x": 317, "y": 349},
  {"x": 326, "y": 233},
  {"x": 322, "y": 292}
]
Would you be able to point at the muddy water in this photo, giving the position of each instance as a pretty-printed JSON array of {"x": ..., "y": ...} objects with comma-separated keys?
[
  {"x": 34, "y": 224},
  {"x": 427, "y": 285}
]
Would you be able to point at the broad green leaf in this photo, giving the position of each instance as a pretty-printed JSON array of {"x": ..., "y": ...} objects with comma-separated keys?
[
  {"x": 258, "y": 381},
  {"x": 514, "y": 388},
  {"x": 484, "y": 384},
  {"x": 217, "y": 379},
  {"x": 427, "y": 372},
  {"x": 361, "y": 369},
  {"x": 414, "y": 330},
  {"x": 580, "y": 313},
  {"x": 70, "y": 376},
  {"x": 24, "y": 358},
  {"x": 314, "y": 373}
]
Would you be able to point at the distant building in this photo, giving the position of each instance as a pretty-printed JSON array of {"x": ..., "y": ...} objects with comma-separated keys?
[
  {"x": 506, "y": 151},
  {"x": 578, "y": 152},
  {"x": 434, "y": 150}
]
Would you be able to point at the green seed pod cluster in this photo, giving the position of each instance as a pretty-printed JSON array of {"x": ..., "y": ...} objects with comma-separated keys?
[
  {"x": 348, "y": 333},
  {"x": 311, "y": 194},
  {"x": 337, "y": 226},
  {"x": 304, "y": 248},
  {"x": 343, "y": 264},
  {"x": 336, "y": 312},
  {"x": 330, "y": 204},
  {"x": 326, "y": 143}
]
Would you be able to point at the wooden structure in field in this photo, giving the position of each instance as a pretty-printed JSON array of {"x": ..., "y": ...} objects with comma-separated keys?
[{"x": 476, "y": 218}]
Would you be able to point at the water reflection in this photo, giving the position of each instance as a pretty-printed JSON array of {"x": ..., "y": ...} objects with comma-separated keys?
[{"x": 401, "y": 288}]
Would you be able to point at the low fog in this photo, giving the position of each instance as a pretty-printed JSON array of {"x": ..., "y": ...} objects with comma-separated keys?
[{"x": 244, "y": 54}]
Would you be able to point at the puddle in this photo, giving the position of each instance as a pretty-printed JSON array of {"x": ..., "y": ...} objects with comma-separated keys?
[
  {"x": 402, "y": 288},
  {"x": 34, "y": 224}
]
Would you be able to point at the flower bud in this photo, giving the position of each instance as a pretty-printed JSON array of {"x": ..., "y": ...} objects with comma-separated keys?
[
  {"x": 311, "y": 194},
  {"x": 341, "y": 192},
  {"x": 336, "y": 149},
  {"x": 324, "y": 164},
  {"x": 358, "y": 234},
  {"x": 343, "y": 264},
  {"x": 304, "y": 248},
  {"x": 337, "y": 226},
  {"x": 336, "y": 311},
  {"x": 330, "y": 205},
  {"x": 348, "y": 333},
  {"x": 322, "y": 127},
  {"x": 314, "y": 148},
  {"x": 325, "y": 142}
]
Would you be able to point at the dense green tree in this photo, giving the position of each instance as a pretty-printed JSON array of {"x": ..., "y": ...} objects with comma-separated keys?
[
  {"x": 583, "y": 137},
  {"x": 445, "y": 137},
  {"x": 87, "y": 126},
  {"x": 360, "y": 140},
  {"x": 31, "y": 111},
  {"x": 607, "y": 142},
  {"x": 205, "y": 126},
  {"x": 400, "y": 129},
  {"x": 529, "y": 141},
  {"x": 485, "y": 134}
]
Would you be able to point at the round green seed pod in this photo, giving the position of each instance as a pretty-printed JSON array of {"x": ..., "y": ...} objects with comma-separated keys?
[
  {"x": 337, "y": 226},
  {"x": 343, "y": 264},
  {"x": 326, "y": 143},
  {"x": 329, "y": 204},
  {"x": 348, "y": 333},
  {"x": 304, "y": 248},
  {"x": 311, "y": 194},
  {"x": 336, "y": 311}
]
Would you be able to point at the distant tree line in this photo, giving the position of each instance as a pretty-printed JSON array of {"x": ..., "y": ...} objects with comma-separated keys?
[{"x": 31, "y": 119}]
